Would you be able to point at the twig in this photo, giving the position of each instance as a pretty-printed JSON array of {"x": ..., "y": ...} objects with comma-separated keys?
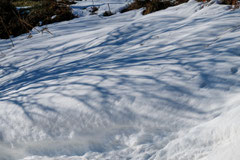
[
  {"x": 27, "y": 24},
  {"x": 109, "y": 8},
  {"x": 6, "y": 30},
  {"x": 46, "y": 29}
]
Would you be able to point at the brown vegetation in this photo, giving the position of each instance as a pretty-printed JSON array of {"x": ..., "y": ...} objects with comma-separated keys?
[
  {"x": 10, "y": 24},
  {"x": 234, "y": 3},
  {"x": 13, "y": 22},
  {"x": 49, "y": 11},
  {"x": 151, "y": 5},
  {"x": 156, "y": 5}
]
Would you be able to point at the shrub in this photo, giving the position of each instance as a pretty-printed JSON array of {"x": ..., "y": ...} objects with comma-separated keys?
[
  {"x": 22, "y": 3},
  {"x": 14, "y": 22},
  {"x": 49, "y": 11},
  {"x": 10, "y": 24},
  {"x": 234, "y": 3},
  {"x": 156, "y": 5},
  {"x": 137, "y": 4},
  {"x": 152, "y": 5}
]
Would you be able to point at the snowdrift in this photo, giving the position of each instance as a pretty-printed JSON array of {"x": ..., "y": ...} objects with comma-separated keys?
[{"x": 161, "y": 86}]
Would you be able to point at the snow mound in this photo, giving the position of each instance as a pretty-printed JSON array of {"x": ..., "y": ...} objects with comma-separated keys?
[
  {"x": 216, "y": 139},
  {"x": 160, "y": 86}
]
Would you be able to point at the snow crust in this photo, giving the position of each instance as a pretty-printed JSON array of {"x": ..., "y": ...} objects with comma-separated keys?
[{"x": 164, "y": 86}]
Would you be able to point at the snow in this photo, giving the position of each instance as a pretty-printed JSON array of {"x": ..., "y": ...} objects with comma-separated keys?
[
  {"x": 161, "y": 86},
  {"x": 82, "y": 8}
]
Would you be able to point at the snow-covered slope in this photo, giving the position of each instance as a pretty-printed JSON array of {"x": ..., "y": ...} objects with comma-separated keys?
[{"x": 164, "y": 86}]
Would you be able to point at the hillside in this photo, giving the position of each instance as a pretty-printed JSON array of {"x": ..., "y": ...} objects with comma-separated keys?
[{"x": 164, "y": 86}]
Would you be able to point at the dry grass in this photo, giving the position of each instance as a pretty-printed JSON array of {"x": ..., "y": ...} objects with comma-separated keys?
[
  {"x": 137, "y": 4},
  {"x": 10, "y": 24},
  {"x": 50, "y": 11},
  {"x": 152, "y": 5},
  {"x": 23, "y": 3},
  {"x": 233, "y": 3},
  {"x": 156, "y": 5},
  {"x": 14, "y": 22}
]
